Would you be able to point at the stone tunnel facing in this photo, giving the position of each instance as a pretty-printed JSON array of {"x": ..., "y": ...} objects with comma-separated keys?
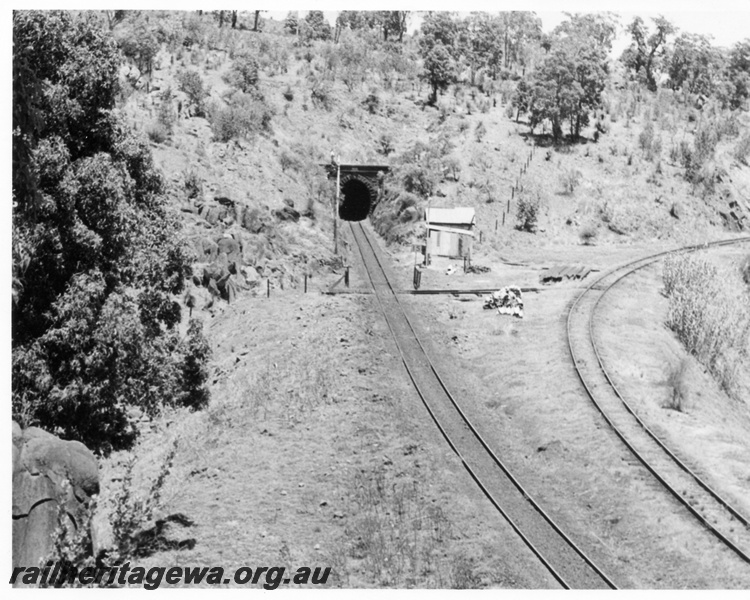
[{"x": 356, "y": 201}]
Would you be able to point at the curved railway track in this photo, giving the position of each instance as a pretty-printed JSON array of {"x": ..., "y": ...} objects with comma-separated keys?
[
  {"x": 715, "y": 512},
  {"x": 570, "y": 566}
]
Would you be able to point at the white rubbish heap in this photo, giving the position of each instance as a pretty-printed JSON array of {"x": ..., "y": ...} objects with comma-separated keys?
[{"x": 507, "y": 301}]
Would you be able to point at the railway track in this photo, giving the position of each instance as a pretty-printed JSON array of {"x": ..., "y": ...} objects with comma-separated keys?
[
  {"x": 723, "y": 520},
  {"x": 568, "y": 564}
]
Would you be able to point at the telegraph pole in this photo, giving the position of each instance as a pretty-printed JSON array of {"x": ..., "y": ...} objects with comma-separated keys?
[{"x": 336, "y": 207}]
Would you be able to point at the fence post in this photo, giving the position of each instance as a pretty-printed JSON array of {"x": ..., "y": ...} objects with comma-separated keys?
[
  {"x": 268, "y": 288},
  {"x": 495, "y": 224},
  {"x": 305, "y": 283},
  {"x": 503, "y": 218},
  {"x": 346, "y": 277}
]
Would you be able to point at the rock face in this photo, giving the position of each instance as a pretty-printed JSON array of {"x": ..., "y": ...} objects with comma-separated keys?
[{"x": 41, "y": 463}]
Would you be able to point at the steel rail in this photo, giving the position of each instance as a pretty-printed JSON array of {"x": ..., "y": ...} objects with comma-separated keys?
[
  {"x": 526, "y": 495},
  {"x": 628, "y": 269}
]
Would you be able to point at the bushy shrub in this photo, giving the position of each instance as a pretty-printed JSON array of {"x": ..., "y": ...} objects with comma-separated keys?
[
  {"x": 570, "y": 180},
  {"x": 385, "y": 144},
  {"x": 677, "y": 386},
  {"x": 321, "y": 95},
  {"x": 191, "y": 83},
  {"x": 710, "y": 312},
  {"x": 194, "y": 367},
  {"x": 588, "y": 234},
  {"x": 372, "y": 103},
  {"x": 166, "y": 114},
  {"x": 646, "y": 137},
  {"x": 193, "y": 184},
  {"x": 247, "y": 116},
  {"x": 527, "y": 212},
  {"x": 416, "y": 179},
  {"x": 480, "y": 131},
  {"x": 452, "y": 167},
  {"x": 243, "y": 74},
  {"x": 157, "y": 132},
  {"x": 289, "y": 160}
]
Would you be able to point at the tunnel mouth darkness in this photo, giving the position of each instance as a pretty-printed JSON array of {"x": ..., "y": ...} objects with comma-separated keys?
[{"x": 356, "y": 202}]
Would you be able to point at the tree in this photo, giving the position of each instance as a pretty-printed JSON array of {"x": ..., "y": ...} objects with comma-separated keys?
[
  {"x": 97, "y": 260},
  {"x": 138, "y": 41},
  {"x": 566, "y": 87},
  {"x": 439, "y": 48},
  {"x": 439, "y": 69},
  {"x": 736, "y": 87},
  {"x": 316, "y": 26},
  {"x": 694, "y": 65},
  {"x": 521, "y": 31},
  {"x": 598, "y": 29},
  {"x": 482, "y": 50},
  {"x": 645, "y": 55},
  {"x": 393, "y": 23},
  {"x": 291, "y": 23},
  {"x": 439, "y": 28}
]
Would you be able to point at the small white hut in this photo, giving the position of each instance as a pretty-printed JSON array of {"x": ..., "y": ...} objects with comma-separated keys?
[{"x": 450, "y": 231}]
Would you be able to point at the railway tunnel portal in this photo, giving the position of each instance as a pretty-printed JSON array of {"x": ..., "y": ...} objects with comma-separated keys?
[{"x": 360, "y": 188}]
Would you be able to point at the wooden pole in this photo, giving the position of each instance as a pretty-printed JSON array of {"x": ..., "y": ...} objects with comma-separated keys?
[
  {"x": 268, "y": 288},
  {"x": 503, "y": 218},
  {"x": 305, "y": 283},
  {"x": 336, "y": 208}
]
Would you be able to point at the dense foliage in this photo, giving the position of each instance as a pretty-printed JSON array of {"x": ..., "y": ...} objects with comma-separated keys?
[
  {"x": 96, "y": 259},
  {"x": 568, "y": 84}
]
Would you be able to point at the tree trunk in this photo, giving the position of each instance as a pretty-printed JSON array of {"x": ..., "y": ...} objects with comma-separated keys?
[
  {"x": 556, "y": 129},
  {"x": 234, "y": 19},
  {"x": 257, "y": 18},
  {"x": 221, "y": 19}
]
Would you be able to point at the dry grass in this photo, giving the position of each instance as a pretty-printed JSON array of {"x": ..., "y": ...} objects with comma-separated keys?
[
  {"x": 710, "y": 312},
  {"x": 397, "y": 538}
]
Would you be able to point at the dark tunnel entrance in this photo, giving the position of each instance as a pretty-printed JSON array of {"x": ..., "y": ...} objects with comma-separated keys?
[{"x": 356, "y": 202}]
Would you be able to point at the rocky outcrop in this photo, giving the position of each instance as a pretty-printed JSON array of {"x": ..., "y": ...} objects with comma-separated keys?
[
  {"x": 42, "y": 463},
  {"x": 286, "y": 213}
]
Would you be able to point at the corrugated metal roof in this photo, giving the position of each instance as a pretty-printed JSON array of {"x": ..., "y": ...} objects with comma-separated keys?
[
  {"x": 468, "y": 232},
  {"x": 451, "y": 216}
]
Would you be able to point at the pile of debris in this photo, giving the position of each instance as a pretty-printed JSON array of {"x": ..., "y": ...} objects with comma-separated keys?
[
  {"x": 507, "y": 301},
  {"x": 477, "y": 269},
  {"x": 556, "y": 274}
]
